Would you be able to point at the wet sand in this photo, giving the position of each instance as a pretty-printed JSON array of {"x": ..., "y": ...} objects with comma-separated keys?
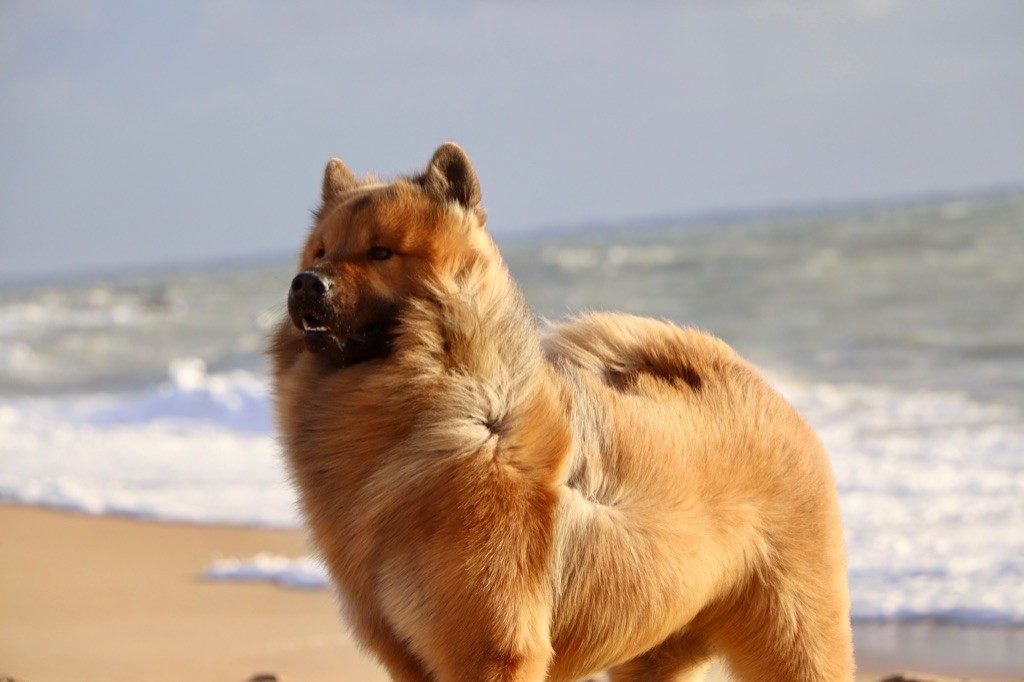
[{"x": 100, "y": 598}]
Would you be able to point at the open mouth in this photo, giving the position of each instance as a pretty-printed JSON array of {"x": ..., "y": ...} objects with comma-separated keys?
[
  {"x": 312, "y": 325},
  {"x": 347, "y": 337},
  {"x": 346, "y": 347}
]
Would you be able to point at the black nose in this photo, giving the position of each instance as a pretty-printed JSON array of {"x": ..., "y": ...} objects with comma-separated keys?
[
  {"x": 309, "y": 284},
  {"x": 307, "y": 300}
]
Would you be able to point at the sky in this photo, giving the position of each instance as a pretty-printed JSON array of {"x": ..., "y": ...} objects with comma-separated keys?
[{"x": 135, "y": 135}]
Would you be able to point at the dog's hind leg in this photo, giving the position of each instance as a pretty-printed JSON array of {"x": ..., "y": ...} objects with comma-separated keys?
[
  {"x": 680, "y": 658},
  {"x": 780, "y": 632}
]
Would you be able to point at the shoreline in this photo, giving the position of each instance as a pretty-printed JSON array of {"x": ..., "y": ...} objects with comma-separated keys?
[{"x": 113, "y": 598}]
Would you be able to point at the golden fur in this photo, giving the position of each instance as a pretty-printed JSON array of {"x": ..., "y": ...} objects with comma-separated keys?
[{"x": 496, "y": 501}]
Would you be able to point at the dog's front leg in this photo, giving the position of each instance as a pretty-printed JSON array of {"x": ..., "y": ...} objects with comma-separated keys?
[
  {"x": 499, "y": 667},
  {"x": 502, "y": 634},
  {"x": 491, "y": 589},
  {"x": 521, "y": 668}
]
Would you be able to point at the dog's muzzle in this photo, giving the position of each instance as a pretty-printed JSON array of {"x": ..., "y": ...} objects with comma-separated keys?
[{"x": 307, "y": 302}]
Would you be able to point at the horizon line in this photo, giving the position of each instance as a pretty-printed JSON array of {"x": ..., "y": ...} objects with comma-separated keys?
[{"x": 722, "y": 216}]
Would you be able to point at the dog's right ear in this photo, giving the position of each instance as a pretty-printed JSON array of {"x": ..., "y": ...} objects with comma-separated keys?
[{"x": 338, "y": 179}]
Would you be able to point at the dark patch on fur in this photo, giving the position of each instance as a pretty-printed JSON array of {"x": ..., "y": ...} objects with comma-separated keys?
[
  {"x": 362, "y": 203},
  {"x": 679, "y": 375}
]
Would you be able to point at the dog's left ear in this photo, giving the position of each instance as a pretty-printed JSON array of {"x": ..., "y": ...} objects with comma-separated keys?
[
  {"x": 338, "y": 179},
  {"x": 450, "y": 176}
]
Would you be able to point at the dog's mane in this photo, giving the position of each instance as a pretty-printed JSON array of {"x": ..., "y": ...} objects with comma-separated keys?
[{"x": 475, "y": 338}]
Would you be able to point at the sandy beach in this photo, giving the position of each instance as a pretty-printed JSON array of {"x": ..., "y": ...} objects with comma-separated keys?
[{"x": 101, "y": 598}]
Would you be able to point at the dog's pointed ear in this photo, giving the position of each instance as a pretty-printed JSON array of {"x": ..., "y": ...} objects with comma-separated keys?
[
  {"x": 450, "y": 176},
  {"x": 338, "y": 179}
]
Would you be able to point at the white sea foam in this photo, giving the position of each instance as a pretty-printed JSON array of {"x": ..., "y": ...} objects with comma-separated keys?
[
  {"x": 236, "y": 400},
  {"x": 197, "y": 448},
  {"x": 931, "y": 484},
  {"x": 304, "y": 572}
]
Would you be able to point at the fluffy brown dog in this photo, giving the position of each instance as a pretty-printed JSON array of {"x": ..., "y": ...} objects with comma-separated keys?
[{"x": 499, "y": 502}]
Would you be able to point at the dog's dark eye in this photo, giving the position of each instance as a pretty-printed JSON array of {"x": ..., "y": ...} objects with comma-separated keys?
[
  {"x": 320, "y": 252},
  {"x": 379, "y": 253}
]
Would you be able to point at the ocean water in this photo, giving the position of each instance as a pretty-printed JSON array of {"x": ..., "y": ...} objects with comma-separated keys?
[{"x": 898, "y": 331}]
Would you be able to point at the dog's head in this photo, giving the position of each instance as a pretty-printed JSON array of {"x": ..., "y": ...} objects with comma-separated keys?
[{"x": 374, "y": 247}]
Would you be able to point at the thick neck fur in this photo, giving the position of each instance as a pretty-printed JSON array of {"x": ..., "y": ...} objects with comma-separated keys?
[
  {"x": 475, "y": 332},
  {"x": 465, "y": 378}
]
